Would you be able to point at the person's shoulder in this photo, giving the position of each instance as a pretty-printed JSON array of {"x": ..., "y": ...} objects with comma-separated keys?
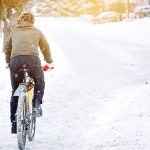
[{"x": 37, "y": 29}]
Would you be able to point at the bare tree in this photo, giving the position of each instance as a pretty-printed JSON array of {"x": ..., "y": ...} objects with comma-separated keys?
[{"x": 7, "y": 16}]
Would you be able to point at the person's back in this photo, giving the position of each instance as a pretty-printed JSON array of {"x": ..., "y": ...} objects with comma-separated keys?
[
  {"x": 22, "y": 49},
  {"x": 22, "y": 40}
]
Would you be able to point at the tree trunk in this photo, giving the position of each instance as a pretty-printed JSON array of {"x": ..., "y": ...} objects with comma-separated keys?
[{"x": 1, "y": 29}]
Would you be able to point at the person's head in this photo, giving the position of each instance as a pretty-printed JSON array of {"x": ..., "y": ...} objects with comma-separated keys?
[{"x": 26, "y": 17}]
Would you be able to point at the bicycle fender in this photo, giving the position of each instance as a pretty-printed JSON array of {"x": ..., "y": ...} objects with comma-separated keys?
[{"x": 19, "y": 90}]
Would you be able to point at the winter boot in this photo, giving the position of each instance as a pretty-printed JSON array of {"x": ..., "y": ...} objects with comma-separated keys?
[{"x": 37, "y": 110}]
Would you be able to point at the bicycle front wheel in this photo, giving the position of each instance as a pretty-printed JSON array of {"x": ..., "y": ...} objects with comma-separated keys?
[{"x": 21, "y": 121}]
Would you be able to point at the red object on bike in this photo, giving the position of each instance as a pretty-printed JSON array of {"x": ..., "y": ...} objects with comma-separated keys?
[{"x": 45, "y": 68}]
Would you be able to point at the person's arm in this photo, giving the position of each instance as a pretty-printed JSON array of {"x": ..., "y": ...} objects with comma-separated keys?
[
  {"x": 44, "y": 46},
  {"x": 8, "y": 48}
]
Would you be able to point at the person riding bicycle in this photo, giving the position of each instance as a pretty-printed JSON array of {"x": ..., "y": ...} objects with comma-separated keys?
[{"x": 22, "y": 49}]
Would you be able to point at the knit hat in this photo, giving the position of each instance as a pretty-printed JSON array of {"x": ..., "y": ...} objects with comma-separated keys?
[{"x": 26, "y": 17}]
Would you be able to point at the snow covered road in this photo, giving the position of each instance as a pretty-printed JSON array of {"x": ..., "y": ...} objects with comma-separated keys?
[{"x": 97, "y": 98}]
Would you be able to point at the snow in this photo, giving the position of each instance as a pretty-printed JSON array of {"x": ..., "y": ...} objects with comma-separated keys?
[{"x": 97, "y": 97}]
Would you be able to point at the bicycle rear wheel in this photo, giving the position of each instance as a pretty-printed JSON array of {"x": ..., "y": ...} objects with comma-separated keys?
[
  {"x": 21, "y": 121},
  {"x": 32, "y": 126}
]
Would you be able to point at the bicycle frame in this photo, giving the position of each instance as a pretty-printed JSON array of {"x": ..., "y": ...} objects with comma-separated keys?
[{"x": 26, "y": 88}]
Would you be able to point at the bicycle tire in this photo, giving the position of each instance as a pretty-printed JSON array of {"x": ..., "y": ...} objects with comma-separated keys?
[
  {"x": 32, "y": 118},
  {"x": 21, "y": 121},
  {"x": 32, "y": 127}
]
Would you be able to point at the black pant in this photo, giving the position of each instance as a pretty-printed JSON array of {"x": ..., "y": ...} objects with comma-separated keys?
[{"x": 33, "y": 63}]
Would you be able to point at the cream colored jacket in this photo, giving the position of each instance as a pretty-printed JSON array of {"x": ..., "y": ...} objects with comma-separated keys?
[{"x": 25, "y": 40}]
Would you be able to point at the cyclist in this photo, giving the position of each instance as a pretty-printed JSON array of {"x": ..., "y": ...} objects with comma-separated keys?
[{"x": 22, "y": 49}]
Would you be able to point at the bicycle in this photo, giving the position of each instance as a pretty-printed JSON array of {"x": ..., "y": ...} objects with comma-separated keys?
[{"x": 26, "y": 121}]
